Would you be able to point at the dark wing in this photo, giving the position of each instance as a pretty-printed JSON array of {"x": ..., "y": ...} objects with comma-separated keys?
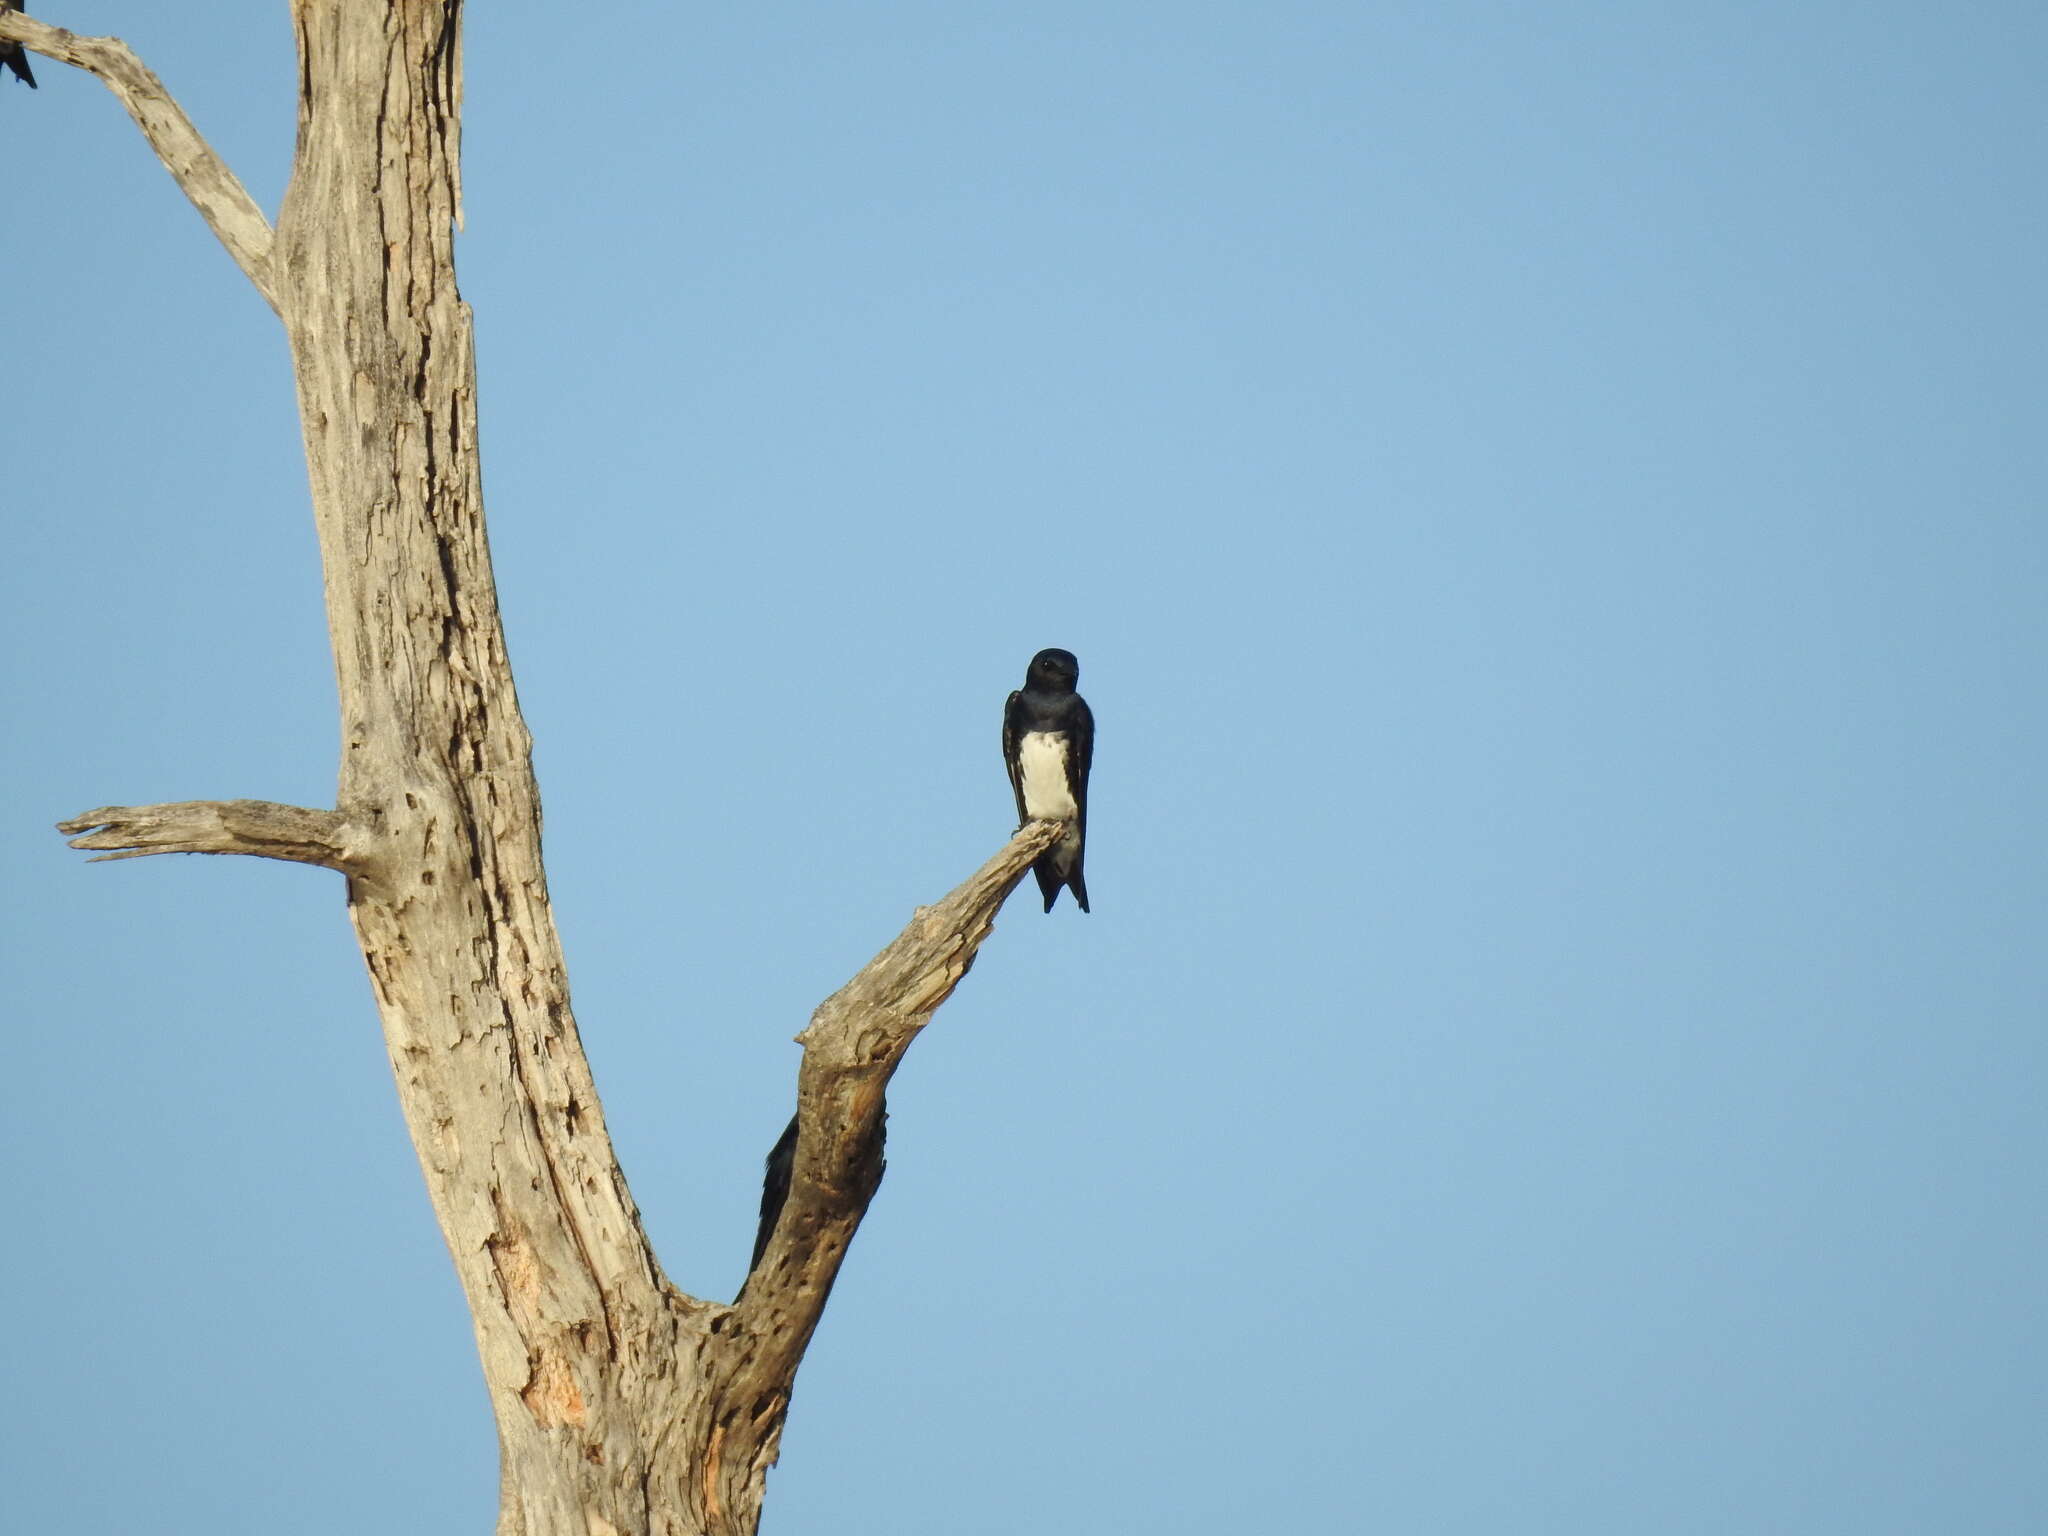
[
  {"x": 775, "y": 1175},
  {"x": 1080, "y": 752},
  {"x": 1010, "y": 735}
]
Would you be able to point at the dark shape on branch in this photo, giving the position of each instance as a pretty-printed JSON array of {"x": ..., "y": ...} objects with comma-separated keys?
[
  {"x": 13, "y": 55},
  {"x": 774, "y": 1189},
  {"x": 861, "y": 1175},
  {"x": 1048, "y": 742}
]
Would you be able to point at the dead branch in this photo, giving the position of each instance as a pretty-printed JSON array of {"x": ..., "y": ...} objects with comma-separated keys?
[
  {"x": 215, "y": 191},
  {"x": 259, "y": 827},
  {"x": 853, "y": 1045}
]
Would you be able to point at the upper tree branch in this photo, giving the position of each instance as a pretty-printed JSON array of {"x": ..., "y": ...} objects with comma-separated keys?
[
  {"x": 220, "y": 198},
  {"x": 259, "y": 827},
  {"x": 852, "y": 1046}
]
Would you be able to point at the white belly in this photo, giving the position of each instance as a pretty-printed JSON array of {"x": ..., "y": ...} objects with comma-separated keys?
[{"x": 1042, "y": 767}]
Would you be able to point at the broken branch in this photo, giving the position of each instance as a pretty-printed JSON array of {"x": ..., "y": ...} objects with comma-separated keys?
[
  {"x": 260, "y": 827},
  {"x": 215, "y": 191}
]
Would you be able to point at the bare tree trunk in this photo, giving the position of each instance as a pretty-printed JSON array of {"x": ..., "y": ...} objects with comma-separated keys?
[{"x": 622, "y": 1404}]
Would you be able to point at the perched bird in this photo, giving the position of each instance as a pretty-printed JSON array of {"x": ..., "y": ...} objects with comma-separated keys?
[
  {"x": 13, "y": 55},
  {"x": 1048, "y": 739}
]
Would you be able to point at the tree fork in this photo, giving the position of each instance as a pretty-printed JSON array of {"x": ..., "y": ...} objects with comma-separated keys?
[{"x": 623, "y": 1405}]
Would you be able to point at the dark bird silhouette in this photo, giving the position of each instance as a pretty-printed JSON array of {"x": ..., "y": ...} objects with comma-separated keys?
[
  {"x": 775, "y": 1172},
  {"x": 855, "y": 1180},
  {"x": 13, "y": 55},
  {"x": 1048, "y": 740}
]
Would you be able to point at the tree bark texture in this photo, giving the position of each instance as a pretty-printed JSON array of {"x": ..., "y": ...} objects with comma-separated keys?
[{"x": 623, "y": 1405}]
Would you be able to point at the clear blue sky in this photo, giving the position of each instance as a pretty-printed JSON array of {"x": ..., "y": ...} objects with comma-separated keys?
[{"x": 1552, "y": 506}]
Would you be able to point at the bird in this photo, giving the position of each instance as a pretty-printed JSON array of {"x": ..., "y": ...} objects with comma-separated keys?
[
  {"x": 13, "y": 55},
  {"x": 1048, "y": 740}
]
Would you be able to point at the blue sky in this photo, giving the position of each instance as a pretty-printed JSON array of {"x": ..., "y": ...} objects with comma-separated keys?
[{"x": 1550, "y": 506}]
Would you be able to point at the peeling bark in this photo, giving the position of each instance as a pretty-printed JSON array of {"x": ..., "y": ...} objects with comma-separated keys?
[{"x": 623, "y": 1405}]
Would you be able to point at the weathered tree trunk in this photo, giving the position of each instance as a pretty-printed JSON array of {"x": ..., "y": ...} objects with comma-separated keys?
[{"x": 623, "y": 1405}]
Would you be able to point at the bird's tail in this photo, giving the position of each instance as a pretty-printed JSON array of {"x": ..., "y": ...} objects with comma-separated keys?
[{"x": 1051, "y": 877}]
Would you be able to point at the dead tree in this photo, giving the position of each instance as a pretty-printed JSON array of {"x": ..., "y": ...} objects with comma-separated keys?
[{"x": 623, "y": 1405}]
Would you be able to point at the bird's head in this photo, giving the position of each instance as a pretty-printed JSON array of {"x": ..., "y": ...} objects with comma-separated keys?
[{"x": 1053, "y": 671}]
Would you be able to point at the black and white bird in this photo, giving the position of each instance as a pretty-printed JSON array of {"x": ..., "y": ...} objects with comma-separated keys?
[
  {"x": 1048, "y": 739},
  {"x": 13, "y": 55}
]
